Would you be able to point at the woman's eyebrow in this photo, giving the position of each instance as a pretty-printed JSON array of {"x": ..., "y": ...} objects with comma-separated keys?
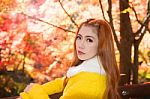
[
  {"x": 79, "y": 35},
  {"x": 90, "y": 37},
  {"x": 86, "y": 36}
]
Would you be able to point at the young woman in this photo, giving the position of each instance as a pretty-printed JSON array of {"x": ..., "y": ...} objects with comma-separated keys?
[{"x": 94, "y": 73}]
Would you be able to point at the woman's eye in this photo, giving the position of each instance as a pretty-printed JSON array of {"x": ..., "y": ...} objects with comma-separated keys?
[
  {"x": 78, "y": 37},
  {"x": 89, "y": 40}
]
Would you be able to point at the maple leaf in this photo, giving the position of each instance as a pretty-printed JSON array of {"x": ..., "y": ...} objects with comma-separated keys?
[{"x": 126, "y": 10}]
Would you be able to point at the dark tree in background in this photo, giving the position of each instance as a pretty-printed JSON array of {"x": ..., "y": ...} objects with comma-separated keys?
[{"x": 128, "y": 39}]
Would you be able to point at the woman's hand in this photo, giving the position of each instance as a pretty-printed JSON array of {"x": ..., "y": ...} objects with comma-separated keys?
[
  {"x": 19, "y": 97},
  {"x": 29, "y": 87}
]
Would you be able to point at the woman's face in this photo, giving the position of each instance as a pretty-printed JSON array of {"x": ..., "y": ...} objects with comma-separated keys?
[{"x": 86, "y": 42}]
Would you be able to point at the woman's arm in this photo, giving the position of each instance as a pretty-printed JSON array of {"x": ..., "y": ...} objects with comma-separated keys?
[
  {"x": 36, "y": 91},
  {"x": 54, "y": 86}
]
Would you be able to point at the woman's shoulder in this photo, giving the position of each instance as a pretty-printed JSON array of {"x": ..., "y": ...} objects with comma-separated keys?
[
  {"x": 90, "y": 84},
  {"x": 88, "y": 75}
]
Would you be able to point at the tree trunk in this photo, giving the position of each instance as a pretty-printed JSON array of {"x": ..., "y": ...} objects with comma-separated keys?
[
  {"x": 135, "y": 65},
  {"x": 125, "y": 42}
]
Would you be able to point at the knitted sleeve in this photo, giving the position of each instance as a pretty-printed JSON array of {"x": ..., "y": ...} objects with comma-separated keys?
[{"x": 43, "y": 91}]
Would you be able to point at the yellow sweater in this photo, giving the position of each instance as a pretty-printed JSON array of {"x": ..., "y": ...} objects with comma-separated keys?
[{"x": 84, "y": 85}]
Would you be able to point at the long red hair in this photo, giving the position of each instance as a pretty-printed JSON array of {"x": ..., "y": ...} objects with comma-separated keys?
[{"x": 106, "y": 53}]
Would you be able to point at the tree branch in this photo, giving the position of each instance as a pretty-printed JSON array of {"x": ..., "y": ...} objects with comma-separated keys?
[
  {"x": 111, "y": 23},
  {"x": 143, "y": 28},
  {"x": 135, "y": 13},
  {"x": 68, "y": 14},
  {"x": 143, "y": 24},
  {"x": 31, "y": 17},
  {"x": 100, "y": 3}
]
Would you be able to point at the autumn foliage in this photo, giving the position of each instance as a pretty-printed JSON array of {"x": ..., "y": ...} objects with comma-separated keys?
[{"x": 36, "y": 38}]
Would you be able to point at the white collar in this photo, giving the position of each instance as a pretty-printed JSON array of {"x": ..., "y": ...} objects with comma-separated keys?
[{"x": 90, "y": 65}]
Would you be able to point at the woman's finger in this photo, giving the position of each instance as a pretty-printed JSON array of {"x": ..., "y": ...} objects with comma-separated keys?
[
  {"x": 28, "y": 87},
  {"x": 19, "y": 98}
]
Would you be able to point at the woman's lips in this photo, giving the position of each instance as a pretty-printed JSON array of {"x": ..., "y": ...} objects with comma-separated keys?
[{"x": 80, "y": 52}]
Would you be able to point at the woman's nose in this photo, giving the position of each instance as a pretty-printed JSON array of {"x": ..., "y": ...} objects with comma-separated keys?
[{"x": 82, "y": 44}]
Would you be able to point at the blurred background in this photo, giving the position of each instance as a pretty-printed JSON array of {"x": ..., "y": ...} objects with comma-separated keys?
[{"x": 36, "y": 39}]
